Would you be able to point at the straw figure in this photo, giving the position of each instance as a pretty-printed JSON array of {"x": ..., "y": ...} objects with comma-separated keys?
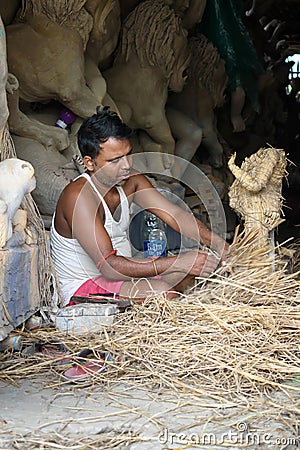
[{"x": 255, "y": 195}]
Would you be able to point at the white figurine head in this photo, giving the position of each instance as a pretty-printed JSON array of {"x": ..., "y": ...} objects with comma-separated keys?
[{"x": 16, "y": 180}]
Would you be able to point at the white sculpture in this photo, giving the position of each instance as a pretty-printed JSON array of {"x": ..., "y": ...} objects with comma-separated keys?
[{"x": 16, "y": 180}]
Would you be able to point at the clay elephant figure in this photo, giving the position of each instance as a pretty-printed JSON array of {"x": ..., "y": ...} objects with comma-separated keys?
[
  {"x": 152, "y": 57},
  {"x": 202, "y": 93}
]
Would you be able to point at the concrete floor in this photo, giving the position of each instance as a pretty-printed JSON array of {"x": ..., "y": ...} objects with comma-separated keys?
[{"x": 38, "y": 414}]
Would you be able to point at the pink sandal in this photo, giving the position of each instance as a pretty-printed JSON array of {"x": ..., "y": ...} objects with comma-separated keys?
[{"x": 86, "y": 368}]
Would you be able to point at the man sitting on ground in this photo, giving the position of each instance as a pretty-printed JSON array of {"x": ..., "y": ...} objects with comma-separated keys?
[{"x": 89, "y": 234}]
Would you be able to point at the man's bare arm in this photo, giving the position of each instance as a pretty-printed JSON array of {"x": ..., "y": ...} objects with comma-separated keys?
[{"x": 177, "y": 218}]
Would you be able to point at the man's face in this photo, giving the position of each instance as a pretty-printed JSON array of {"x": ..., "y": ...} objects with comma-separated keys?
[{"x": 113, "y": 164}]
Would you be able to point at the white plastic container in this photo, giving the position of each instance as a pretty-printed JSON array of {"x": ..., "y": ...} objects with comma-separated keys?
[{"x": 84, "y": 318}]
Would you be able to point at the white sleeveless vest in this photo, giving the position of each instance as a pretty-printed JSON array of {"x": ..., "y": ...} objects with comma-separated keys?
[{"x": 72, "y": 264}]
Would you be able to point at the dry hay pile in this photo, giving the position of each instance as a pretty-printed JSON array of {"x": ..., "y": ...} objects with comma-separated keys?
[{"x": 234, "y": 335}]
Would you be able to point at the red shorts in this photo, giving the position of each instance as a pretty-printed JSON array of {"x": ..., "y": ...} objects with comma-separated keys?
[{"x": 97, "y": 285}]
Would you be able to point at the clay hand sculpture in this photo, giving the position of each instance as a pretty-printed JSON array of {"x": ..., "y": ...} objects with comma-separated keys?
[
  {"x": 152, "y": 57},
  {"x": 16, "y": 180}
]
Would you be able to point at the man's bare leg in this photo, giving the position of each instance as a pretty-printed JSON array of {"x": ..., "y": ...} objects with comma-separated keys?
[
  {"x": 170, "y": 284},
  {"x": 138, "y": 290}
]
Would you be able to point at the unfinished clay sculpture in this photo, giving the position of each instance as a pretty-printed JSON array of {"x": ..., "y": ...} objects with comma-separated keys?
[
  {"x": 16, "y": 180},
  {"x": 202, "y": 93},
  {"x": 152, "y": 57},
  {"x": 46, "y": 53},
  {"x": 43, "y": 72},
  {"x": 21, "y": 124},
  {"x": 53, "y": 171},
  {"x": 103, "y": 38}
]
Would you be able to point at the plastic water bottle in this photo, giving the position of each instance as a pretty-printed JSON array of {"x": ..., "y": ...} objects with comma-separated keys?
[
  {"x": 66, "y": 118},
  {"x": 155, "y": 240},
  {"x": 157, "y": 243}
]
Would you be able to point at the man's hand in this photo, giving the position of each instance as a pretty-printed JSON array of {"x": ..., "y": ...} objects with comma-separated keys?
[{"x": 196, "y": 263}]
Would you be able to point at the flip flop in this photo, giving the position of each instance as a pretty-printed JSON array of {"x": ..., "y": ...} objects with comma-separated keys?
[
  {"x": 84, "y": 370},
  {"x": 52, "y": 351}
]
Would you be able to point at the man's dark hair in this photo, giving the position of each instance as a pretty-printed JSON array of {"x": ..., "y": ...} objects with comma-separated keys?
[{"x": 98, "y": 129}]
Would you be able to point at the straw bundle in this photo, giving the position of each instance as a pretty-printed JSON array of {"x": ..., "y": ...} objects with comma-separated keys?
[
  {"x": 255, "y": 195},
  {"x": 292, "y": 253}
]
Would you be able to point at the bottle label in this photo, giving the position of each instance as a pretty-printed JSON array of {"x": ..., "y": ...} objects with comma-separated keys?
[
  {"x": 154, "y": 248},
  {"x": 60, "y": 124}
]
